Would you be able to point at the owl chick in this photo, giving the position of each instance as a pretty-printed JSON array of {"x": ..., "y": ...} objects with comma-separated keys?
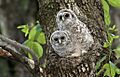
[
  {"x": 65, "y": 19},
  {"x": 80, "y": 37},
  {"x": 61, "y": 43}
]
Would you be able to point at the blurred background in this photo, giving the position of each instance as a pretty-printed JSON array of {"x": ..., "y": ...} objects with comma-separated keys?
[{"x": 12, "y": 14}]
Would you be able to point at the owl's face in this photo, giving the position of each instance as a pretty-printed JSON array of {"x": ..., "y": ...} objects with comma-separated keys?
[
  {"x": 59, "y": 40},
  {"x": 66, "y": 17}
]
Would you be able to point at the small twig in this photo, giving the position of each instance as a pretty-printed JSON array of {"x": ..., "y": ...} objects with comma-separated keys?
[{"x": 15, "y": 44}]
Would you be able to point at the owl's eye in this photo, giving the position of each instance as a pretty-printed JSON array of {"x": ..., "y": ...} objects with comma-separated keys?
[
  {"x": 56, "y": 39},
  {"x": 66, "y": 15},
  {"x": 62, "y": 38},
  {"x": 60, "y": 17}
]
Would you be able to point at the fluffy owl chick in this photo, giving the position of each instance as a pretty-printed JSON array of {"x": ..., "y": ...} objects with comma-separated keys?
[
  {"x": 61, "y": 43},
  {"x": 79, "y": 33},
  {"x": 65, "y": 18}
]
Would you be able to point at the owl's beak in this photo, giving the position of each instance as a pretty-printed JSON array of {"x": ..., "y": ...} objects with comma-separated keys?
[
  {"x": 63, "y": 18},
  {"x": 59, "y": 41}
]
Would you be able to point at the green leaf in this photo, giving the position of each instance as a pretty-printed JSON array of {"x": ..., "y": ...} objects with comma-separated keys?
[
  {"x": 117, "y": 71},
  {"x": 36, "y": 47},
  {"x": 110, "y": 73},
  {"x": 117, "y": 52},
  {"x": 115, "y": 68},
  {"x": 106, "y": 66},
  {"x": 110, "y": 38},
  {"x": 41, "y": 38},
  {"x": 99, "y": 62},
  {"x": 106, "y": 45},
  {"x": 106, "y": 12},
  {"x": 114, "y": 3},
  {"x": 38, "y": 28},
  {"x": 24, "y": 29},
  {"x": 115, "y": 37},
  {"x": 107, "y": 72},
  {"x": 21, "y": 26},
  {"x": 113, "y": 29},
  {"x": 110, "y": 69},
  {"x": 112, "y": 65},
  {"x": 33, "y": 32}
]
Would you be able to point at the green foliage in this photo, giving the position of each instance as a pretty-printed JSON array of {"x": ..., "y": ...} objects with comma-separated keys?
[
  {"x": 110, "y": 69},
  {"x": 36, "y": 38},
  {"x": 41, "y": 38},
  {"x": 32, "y": 34},
  {"x": 24, "y": 29},
  {"x": 106, "y": 8},
  {"x": 106, "y": 12},
  {"x": 37, "y": 48},
  {"x": 98, "y": 64},
  {"x": 117, "y": 52},
  {"x": 114, "y": 3},
  {"x": 37, "y": 35},
  {"x": 111, "y": 36}
]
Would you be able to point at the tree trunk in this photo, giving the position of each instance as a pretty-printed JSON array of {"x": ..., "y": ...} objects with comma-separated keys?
[{"x": 88, "y": 11}]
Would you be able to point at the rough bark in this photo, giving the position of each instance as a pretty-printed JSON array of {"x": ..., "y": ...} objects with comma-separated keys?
[{"x": 90, "y": 12}]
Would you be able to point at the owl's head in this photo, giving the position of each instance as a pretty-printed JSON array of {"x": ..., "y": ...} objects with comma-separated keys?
[
  {"x": 59, "y": 38},
  {"x": 66, "y": 17},
  {"x": 60, "y": 41}
]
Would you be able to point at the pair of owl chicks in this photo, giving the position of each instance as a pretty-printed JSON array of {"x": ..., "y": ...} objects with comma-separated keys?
[{"x": 72, "y": 37}]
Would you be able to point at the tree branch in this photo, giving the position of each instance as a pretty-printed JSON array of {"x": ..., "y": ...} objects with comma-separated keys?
[
  {"x": 9, "y": 48},
  {"x": 12, "y": 54},
  {"x": 18, "y": 45}
]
